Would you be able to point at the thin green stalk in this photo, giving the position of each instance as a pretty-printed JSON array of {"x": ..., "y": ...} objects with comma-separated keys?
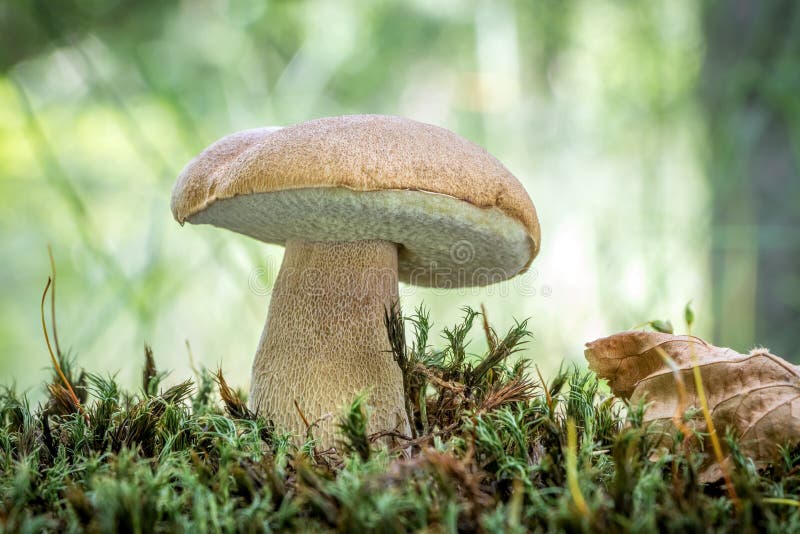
[{"x": 572, "y": 469}]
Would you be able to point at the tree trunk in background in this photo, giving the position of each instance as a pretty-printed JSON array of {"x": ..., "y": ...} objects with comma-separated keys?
[{"x": 751, "y": 91}]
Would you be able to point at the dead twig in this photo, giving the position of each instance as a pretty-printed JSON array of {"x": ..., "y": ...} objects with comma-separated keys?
[
  {"x": 53, "y": 300},
  {"x": 53, "y": 358}
]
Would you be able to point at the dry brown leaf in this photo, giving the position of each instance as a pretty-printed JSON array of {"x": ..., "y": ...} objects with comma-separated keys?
[{"x": 757, "y": 395}]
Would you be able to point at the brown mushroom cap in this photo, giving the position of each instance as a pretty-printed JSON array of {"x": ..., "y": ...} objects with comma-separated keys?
[{"x": 459, "y": 216}]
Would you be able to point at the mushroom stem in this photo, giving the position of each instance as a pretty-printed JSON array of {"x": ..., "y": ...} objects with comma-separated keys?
[{"x": 325, "y": 340}]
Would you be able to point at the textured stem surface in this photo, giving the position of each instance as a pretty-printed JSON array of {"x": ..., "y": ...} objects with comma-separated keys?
[{"x": 325, "y": 339}]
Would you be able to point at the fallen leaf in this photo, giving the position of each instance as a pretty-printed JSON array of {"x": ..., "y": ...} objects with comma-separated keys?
[{"x": 757, "y": 395}]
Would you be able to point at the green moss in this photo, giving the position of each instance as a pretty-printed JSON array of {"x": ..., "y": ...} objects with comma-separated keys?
[{"x": 487, "y": 453}]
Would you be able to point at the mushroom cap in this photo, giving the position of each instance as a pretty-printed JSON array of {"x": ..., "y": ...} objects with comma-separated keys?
[{"x": 459, "y": 217}]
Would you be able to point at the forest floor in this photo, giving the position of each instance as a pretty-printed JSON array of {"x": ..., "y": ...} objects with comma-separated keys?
[{"x": 494, "y": 448}]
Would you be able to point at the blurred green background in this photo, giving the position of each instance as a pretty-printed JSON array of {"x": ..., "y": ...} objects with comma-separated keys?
[{"x": 659, "y": 140}]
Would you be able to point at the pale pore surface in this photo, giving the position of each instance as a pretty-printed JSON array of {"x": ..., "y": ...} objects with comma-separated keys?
[
  {"x": 444, "y": 241},
  {"x": 325, "y": 339}
]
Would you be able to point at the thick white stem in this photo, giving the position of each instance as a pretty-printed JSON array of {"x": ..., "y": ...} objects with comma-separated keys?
[{"x": 325, "y": 339}]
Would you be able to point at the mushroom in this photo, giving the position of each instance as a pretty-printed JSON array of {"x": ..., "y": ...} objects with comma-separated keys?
[{"x": 358, "y": 202}]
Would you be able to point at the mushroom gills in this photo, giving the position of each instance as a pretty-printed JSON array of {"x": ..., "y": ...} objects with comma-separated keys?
[{"x": 446, "y": 242}]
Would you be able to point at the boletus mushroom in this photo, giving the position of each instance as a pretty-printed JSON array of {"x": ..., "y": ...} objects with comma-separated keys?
[{"x": 359, "y": 202}]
